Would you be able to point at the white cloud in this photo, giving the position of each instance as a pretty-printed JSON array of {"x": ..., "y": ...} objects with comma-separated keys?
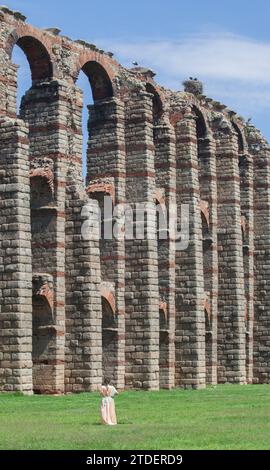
[
  {"x": 235, "y": 70},
  {"x": 216, "y": 56}
]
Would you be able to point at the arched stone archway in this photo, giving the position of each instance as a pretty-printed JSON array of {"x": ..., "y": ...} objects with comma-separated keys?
[
  {"x": 41, "y": 190},
  {"x": 158, "y": 108},
  {"x": 105, "y": 183},
  {"x": 35, "y": 50},
  {"x": 99, "y": 80},
  {"x": 44, "y": 345},
  {"x": 164, "y": 379},
  {"x": 38, "y": 57},
  {"x": 109, "y": 340}
]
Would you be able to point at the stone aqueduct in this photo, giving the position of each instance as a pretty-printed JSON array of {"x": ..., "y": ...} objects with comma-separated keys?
[{"x": 73, "y": 310}]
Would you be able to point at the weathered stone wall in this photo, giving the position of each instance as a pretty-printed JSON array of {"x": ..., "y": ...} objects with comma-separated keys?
[
  {"x": 231, "y": 299},
  {"x": 190, "y": 319},
  {"x": 259, "y": 150},
  {"x": 75, "y": 307},
  {"x": 106, "y": 176},
  {"x": 208, "y": 206},
  {"x": 165, "y": 174},
  {"x": 15, "y": 255},
  {"x": 40, "y": 110},
  {"x": 142, "y": 297}
]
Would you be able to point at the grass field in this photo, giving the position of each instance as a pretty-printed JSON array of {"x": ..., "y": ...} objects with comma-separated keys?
[{"x": 222, "y": 417}]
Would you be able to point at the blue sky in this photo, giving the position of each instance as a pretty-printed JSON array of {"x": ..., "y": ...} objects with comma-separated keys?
[{"x": 226, "y": 44}]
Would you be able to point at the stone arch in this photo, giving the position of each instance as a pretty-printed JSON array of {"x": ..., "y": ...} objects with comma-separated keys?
[
  {"x": 43, "y": 287},
  {"x": 41, "y": 188},
  {"x": 204, "y": 208},
  {"x": 203, "y": 155},
  {"x": 207, "y": 314},
  {"x": 201, "y": 122},
  {"x": 206, "y": 234},
  {"x": 158, "y": 108},
  {"x": 43, "y": 173},
  {"x": 243, "y": 222},
  {"x": 108, "y": 295},
  {"x": 207, "y": 245},
  {"x": 109, "y": 337},
  {"x": 163, "y": 314},
  {"x": 110, "y": 66},
  {"x": 99, "y": 187},
  {"x": 44, "y": 344},
  {"x": 36, "y": 52},
  {"x": 163, "y": 344},
  {"x": 240, "y": 137},
  {"x": 159, "y": 196},
  {"x": 99, "y": 76},
  {"x": 161, "y": 218},
  {"x": 108, "y": 313},
  {"x": 104, "y": 194},
  {"x": 97, "y": 98}
]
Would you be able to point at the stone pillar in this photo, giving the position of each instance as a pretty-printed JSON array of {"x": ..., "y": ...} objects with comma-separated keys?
[
  {"x": 247, "y": 222},
  {"x": 208, "y": 204},
  {"x": 83, "y": 368},
  {"x": 15, "y": 259},
  {"x": 231, "y": 300},
  {"x": 83, "y": 352},
  {"x": 142, "y": 298},
  {"x": 106, "y": 177},
  {"x": 165, "y": 169},
  {"x": 8, "y": 86},
  {"x": 48, "y": 130},
  {"x": 190, "y": 327},
  {"x": 261, "y": 159}
]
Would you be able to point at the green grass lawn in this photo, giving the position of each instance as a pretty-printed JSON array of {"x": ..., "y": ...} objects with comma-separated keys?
[{"x": 222, "y": 417}]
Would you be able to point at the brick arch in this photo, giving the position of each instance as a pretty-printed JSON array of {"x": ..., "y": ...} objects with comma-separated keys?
[
  {"x": 43, "y": 173},
  {"x": 163, "y": 307},
  {"x": 99, "y": 72},
  {"x": 41, "y": 191},
  {"x": 242, "y": 144},
  {"x": 158, "y": 103},
  {"x": 193, "y": 108},
  {"x": 159, "y": 197},
  {"x": 108, "y": 295},
  {"x": 41, "y": 288},
  {"x": 201, "y": 121},
  {"x": 204, "y": 208},
  {"x": 46, "y": 294},
  {"x": 243, "y": 222},
  {"x": 101, "y": 187},
  {"x": 207, "y": 311},
  {"x": 37, "y": 49},
  {"x": 207, "y": 307},
  {"x": 197, "y": 108}
]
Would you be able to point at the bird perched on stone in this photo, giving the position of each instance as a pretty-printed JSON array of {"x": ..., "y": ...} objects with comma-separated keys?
[
  {"x": 54, "y": 31},
  {"x": 135, "y": 63}
]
